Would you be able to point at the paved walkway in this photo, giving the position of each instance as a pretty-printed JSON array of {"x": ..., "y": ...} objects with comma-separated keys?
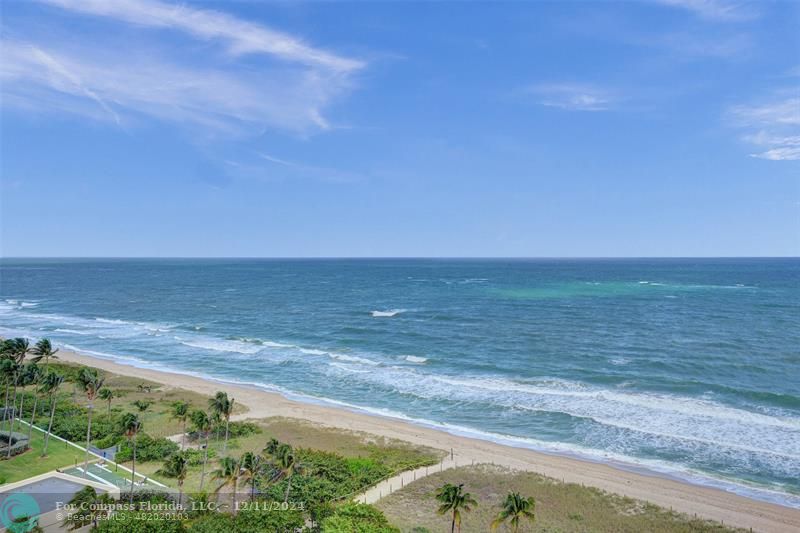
[{"x": 384, "y": 488}]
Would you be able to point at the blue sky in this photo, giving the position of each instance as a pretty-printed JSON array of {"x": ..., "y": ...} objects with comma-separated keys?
[{"x": 145, "y": 128}]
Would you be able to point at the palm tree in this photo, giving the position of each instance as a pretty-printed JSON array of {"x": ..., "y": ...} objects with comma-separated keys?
[
  {"x": 8, "y": 369},
  {"x": 222, "y": 406},
  {"x": 107, "y": 395},
  {"x": 91, "y": 382},
  {"x": 90, "y": 508},
  {"x": 143, "y": 406},
  {"x": 28, "y": 375},
  {"x": 272, "y": 446},
  {"x": 202, "y": 423},
  {"x": 250, "y": 468},
  {"x": 50, "y": 384},
  {"x": 180, "y": 412},
  {"x": 228, "y": 472},
  {"x": 35, "y": 376},
  {"x": 454, "y": 499},
  {"x": 287, "y": 463},
  {"x": 216, "y": 423},
  {"x": 177, "y": 467},
  {"x": 15, "y": 349},
  {"x": 515, "y": 508},
  {"x": 130, "y": 426},
  {"x": 44, "y": 350}
]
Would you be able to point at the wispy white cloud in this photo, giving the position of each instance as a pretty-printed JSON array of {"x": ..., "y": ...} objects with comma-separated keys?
[
  {"x": 572, "y": 97},
  {"x": 313, "y": 171},
  {"x": 288, "y": 88},
  {"x": 778, "y": 148},
  {"x": 784, "y": 112},
  {"x": 56, "y": 74},
  {"x": 242, "y": 37},
  {"x": 216, "y": 99},
  {"x": 774, "y": 127},
  {"x": 717, "y": 10}
]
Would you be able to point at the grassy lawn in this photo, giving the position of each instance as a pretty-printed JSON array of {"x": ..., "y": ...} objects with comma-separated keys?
[
  {"x": 560, "y": 507},
  {"x": 30, "y": 463}
]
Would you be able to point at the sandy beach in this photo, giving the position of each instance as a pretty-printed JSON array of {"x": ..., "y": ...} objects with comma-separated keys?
[{"x": 706, "y": 502}]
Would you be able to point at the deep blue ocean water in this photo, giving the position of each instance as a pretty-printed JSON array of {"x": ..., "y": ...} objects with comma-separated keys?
[{"x": 683, "y": 366}]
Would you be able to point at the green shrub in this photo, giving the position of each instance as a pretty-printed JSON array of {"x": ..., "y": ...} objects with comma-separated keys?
[
  {"x": 250, "y": 521},
  {"x": 108, "y": 441},
  {"x": 194, "y": 457},
  {"x": 325, "y": 477},
  {"x": 357, "y": 518},
  {"x": 240, "y": 429},
  {"x": 147, "y": 449}
]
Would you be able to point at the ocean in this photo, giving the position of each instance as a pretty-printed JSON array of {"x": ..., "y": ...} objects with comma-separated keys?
[{"x": 684, "y": 367}]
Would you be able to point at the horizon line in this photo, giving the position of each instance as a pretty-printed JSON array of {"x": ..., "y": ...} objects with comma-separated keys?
[{"x": 408, "y": 257}]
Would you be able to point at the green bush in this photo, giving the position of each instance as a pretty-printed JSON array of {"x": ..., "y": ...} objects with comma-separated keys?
[
  {"x": 107, "y": 441},
  {"x": 239, "y": 429},
  {"x": 325, "y": 477},
  {"x": 250, "y": 521},
  {"x": 147, "y": 449},
  {"x": 357, "y": 518},
  {"x": 194, "y": 457}
]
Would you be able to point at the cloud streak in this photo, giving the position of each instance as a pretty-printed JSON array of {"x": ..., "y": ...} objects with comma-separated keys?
[
  {"x": 572, "y": 97},
  {"x": 242, "y": 37},
  {"x": 287, "y": 85},
  {"x": 774, "y": 126},
  {"x": 716, "y": 10}
]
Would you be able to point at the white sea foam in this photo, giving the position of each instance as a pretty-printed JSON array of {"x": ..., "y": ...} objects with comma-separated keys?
[
  {"x": 353, "y": 359},
  {"x": 111, "y": 321},
  {"x": 271, "y": 344},
  {"x": 221, "y": 345},
  {"x": 20, "y": 304},
  {"x": 72, "y": 331},
  {"x": 649, "y": 418},
  {"x": 415, "y": 359},
  {"x": 389, "y": 313},
  {"x": 348, "y": 368},
  {"x": 312, "y": 351},
  {"x": 619, "y": 361}
]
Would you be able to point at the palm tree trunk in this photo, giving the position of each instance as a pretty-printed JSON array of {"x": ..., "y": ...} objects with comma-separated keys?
[
  {"x": 88, "y": 439},
  {"x": 453, "y": 524},
  {"x": 13, "y": 406},
  {"x": 253, "y": 488},
  {"x": 50, "y": 425},
  {"x": 14, "y": 420},
  {"x": 5, "y": 406},
  {"x": 205, "y": 460},
  {"x": 21, "y": 405},
  {"x": 183, "y": 435},
  {"x": 33, "y": 416},
  {"x": 288, "y": 488},
  {"x": 225, "y": 446},
  {"x": 133, "y": 469},
  {"x": 180, "y": 493},
  {"x": 234, "y": 496},
  {"x": 109, "y": 406}
]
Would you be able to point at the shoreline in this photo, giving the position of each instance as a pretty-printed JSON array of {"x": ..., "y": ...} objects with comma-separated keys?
[{"x": 628, "y": 480}]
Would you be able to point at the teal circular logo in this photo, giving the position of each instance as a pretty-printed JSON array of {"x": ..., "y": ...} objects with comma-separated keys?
[{"x": 19, "y": 512}]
